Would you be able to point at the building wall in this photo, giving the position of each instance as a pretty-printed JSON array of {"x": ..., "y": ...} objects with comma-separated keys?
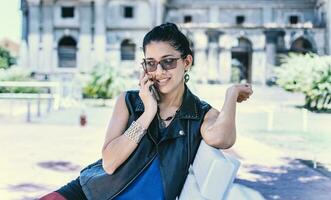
[{"x": 99, "y": 28}]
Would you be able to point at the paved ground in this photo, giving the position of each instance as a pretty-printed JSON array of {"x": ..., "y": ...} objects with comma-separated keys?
[{"x": 41, "y": 156}]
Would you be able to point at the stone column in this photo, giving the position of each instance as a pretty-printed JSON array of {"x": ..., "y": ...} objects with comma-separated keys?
[
  {"x": 33, "y": 36},
  {"x": 85, "y": 39},
  {"x": 270, "y": 51},
  {"x": 213, "y": 55},
  {"x": 159, "y": 12},
  {"x": 47, "y": 37},
  {"x": 258, "y": 66},
  {"x": 23, "y": 55},
  {"x": 200, "y": 56},
  {"x": 225, "y": 58},
  {"x": 100, "y": 30},
  {"x": 114, "y": 50},
  {"x": 328, "y": 26},
  {"x": 271, "y": 40}
]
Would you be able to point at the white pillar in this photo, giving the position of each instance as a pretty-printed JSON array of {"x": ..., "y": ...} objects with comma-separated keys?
[
  {"x": 225, "y": 57},
  {"x": 100, "y": 30},
  {"x": 23, "y": 55},
  {"x": 212, "y": 66},
  {"x": 200, "y": 56},
  {"x": 47, "y": 38},
  {"x": 85, "y": 40},
  {"x": 271, "y": 52},
  {"x": 258, "y": 66},
  {"x": 115, "y": 54},
  {"x": 33, "y": 35},
  {"x": 159, "y": 12},
  {"x": 328, "y": 26},
  {"x": 225, "y": 65}
]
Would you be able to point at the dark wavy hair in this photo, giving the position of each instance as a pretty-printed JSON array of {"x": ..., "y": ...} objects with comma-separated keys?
[{"x": 169, "y": 32}]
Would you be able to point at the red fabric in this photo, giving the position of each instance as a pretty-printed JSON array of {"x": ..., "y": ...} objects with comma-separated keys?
[{"x": 53, "y": 196}]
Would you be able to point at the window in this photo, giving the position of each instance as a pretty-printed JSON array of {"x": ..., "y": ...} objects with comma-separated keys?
[
  {"x": 187, "y": 18},
  {"x": 128, "y": 12},
  {"x": 294, "y": 19},
  {"x": 240, "y": 20},
  {"x": 128, "y": 50},
  {"x": 68, "y": 12},
  {"x": 67, "y": 50}
]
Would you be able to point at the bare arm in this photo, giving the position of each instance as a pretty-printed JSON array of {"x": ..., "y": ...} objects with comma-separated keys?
[
  {"x": 118, "y": 147},
  {"x": 219, "y": 128}
]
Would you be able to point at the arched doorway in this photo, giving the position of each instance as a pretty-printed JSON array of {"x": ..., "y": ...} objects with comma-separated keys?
[
  {"x": 302, "y": 45},
  {"x": 242, "y": 61},
  {"x": 67, "y": 52},
  {"x": 128, "y": 50}
]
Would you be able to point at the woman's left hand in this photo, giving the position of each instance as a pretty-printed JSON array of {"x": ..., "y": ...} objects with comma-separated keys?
[{"x": 242, "y": 91}]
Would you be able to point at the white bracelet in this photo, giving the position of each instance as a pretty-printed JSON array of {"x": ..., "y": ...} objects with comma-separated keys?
[{"x": 135, "y": 132}]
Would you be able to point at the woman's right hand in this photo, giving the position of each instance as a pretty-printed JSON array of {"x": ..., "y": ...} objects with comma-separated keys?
[{"x": 146, "y": 95}]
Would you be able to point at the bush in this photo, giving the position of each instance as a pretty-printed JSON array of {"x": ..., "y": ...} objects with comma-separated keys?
[
  {"x": 309, "y": 74},
  {"x": 6, "y": 60},
  {"x": 235, "y": 74},
  {"x": 16, "y": 74},
  {"x": 104, "y": 83}
]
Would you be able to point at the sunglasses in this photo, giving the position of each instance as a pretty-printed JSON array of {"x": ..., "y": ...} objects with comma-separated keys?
[{"x": 166, "y": 64}]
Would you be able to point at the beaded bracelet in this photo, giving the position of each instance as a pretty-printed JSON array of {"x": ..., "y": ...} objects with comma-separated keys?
[{"x": 135, "y": 132}]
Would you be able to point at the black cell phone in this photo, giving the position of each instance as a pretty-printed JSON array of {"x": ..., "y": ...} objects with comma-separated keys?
[
  {"x": 154, "y": 90},
  {"x": 155, "y": 93}
]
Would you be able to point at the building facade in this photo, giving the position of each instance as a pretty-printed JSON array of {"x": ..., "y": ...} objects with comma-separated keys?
[{"x": 232, "y": 40}]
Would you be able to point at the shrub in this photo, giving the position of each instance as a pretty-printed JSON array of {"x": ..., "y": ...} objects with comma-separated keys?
[
  {"x": 104, "y": 83},
  {"x": 309, "y": 74},
  {"x": 16, "y": 74},
  {"x": 6, "y": 60}
]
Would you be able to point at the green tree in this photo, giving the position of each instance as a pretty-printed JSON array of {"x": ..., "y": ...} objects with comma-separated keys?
[{"x": 6, "y": 60}]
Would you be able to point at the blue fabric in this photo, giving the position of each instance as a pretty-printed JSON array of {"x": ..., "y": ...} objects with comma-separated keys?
[{"x": 147, "y": 186}]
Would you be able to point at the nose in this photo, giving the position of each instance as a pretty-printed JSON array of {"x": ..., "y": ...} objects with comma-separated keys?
[{"x": 159, "y": 69}]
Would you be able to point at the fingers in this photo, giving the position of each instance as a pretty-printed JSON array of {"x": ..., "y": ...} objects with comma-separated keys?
[
  {"x": 143, "y": 79},
  {"x": 247, "y": 88},
  {"x": 245, "y": 91},
  {"x": 145, "y": 82}
]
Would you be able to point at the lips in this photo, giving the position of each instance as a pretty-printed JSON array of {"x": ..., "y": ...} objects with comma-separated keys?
[{"x": 163, "y": 81}]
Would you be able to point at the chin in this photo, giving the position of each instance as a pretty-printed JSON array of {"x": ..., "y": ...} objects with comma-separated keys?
[{"x": 165, "y": 89}]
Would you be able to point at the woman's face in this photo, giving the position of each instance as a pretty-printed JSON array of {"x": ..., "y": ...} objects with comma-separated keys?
[{"x": 166, "y": 80}]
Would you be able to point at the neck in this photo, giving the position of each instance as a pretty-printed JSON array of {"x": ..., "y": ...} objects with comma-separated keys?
[{"x": 173, "y": 99}]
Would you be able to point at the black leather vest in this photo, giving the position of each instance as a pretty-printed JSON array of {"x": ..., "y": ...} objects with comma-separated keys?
[{"x": 176, "y": 151}]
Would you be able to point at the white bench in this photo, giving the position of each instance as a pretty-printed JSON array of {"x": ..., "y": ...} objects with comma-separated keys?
[
  {"x": 53, "y": 97},
  {"x": 211, "y": 176}
]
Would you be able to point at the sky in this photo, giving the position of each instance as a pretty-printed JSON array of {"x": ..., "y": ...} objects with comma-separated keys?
[{"x": 10, "y": 20}]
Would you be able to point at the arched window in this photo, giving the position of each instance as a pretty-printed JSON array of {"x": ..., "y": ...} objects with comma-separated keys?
[
  {"x": 67, "y": 51},
  {"x": 302, "y": 45},
  {"x": 244, "y": 44},
  {"x": 128, "y": 50}
]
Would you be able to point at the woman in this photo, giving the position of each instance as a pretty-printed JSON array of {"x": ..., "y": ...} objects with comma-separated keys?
[{"x": 150, "y": 144}]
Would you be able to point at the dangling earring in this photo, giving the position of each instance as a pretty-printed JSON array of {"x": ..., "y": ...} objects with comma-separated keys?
[{"x": 186, "y": 77}]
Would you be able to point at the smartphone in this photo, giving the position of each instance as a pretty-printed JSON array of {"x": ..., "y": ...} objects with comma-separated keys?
[{"x": 154, "y": 91}]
